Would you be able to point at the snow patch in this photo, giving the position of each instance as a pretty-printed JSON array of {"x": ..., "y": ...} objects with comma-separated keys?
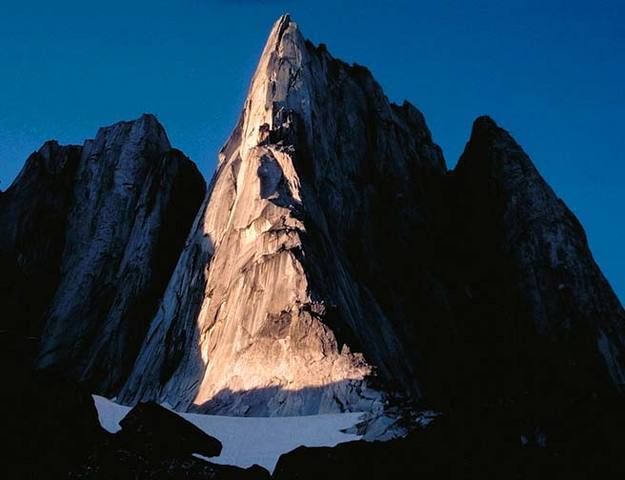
[
  {"x": 110, "y": 413},
  {"x": 252, "y": 440}
]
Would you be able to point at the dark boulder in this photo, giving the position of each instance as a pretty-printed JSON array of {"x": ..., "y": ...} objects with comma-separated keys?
[{"x": 156, "y": 432}]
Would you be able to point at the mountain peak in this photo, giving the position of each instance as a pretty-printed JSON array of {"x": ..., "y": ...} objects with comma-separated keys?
[
  {"x": 283, "y": 29},
  {"x": 484, "y": 120},
  {"x": 280, "y": 82},
  {"x": 281, "y": 323},
  {"x": 486, "y": 126},
  {"x": 48, "y": 148},
  {"x": 487, "y": 136},
  {"x": 145, "y": 130}
]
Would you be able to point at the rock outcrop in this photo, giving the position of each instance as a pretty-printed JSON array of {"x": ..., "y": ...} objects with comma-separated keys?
[
  {"x": 534, "y": 313},
  {"x": 156, "y": 432},
  {"x": 287, "y": 280},
  {"x": 33, "y": 214},
  {"x": 91, "y": 235}
]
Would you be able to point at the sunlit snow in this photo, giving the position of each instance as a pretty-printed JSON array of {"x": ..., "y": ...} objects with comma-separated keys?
[{"x": 253, "y": 440}]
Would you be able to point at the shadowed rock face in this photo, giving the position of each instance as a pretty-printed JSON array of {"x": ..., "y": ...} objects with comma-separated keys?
[
  {"x": 288, "y": 272},
  {"x": 535, "y": 315},
  {"x": 33, "y": 215},
  {"x": 95, "y": 232}
]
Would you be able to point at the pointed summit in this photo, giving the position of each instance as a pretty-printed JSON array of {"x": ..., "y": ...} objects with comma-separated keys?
[
  {"x": 278, "y": 30},
  {"x": 286, "y": 254},
  {"x": 539, "y": 307},
  {"x": 485, "y": 129},
  {"x": 285, "y": 41},
  {"x": 280, "y": 82}
]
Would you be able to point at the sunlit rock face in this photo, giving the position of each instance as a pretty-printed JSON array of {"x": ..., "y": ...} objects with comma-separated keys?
[
  {"x": 287, "y": 297},
  {"x": 128, "y": 200}
]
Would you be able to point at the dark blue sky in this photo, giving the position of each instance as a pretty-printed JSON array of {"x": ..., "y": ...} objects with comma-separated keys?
[{"x": 551, "y": 72}]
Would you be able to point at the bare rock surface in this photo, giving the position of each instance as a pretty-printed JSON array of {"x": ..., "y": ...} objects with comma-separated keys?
[
  {"x": 33, "y": 215},
  {"x": 284, "y": 299},
  {"x": 536, "y": 317},
  {"x": 93, "y": 234}
]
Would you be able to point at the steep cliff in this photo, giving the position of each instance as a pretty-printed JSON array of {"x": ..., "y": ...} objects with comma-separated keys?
[
  {"x": 33, "y": 214},
  {"x": 287, "y": 280},
  {"x": 535, "y": 314},
  {"x": 91, "y": 235}
]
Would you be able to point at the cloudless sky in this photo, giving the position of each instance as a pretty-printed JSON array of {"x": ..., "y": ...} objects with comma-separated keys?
[{"x": 551, "y": 72}]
